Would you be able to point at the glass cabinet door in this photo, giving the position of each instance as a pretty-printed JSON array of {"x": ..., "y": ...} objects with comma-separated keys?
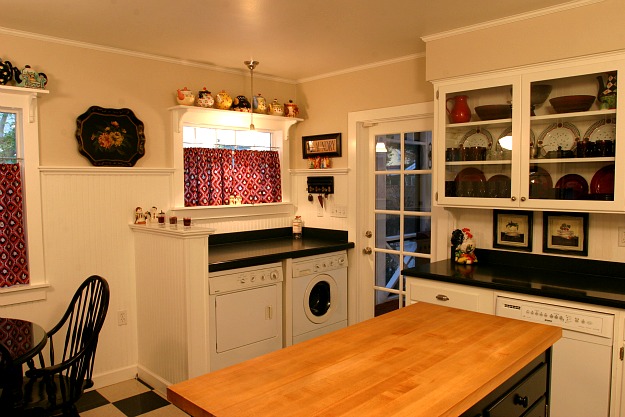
[
  {"x": 572, "y": 125},
  {"x": 479, "y": 136}
]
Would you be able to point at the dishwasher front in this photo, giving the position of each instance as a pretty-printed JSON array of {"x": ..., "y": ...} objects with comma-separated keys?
[{"x": 581, "y": 365}]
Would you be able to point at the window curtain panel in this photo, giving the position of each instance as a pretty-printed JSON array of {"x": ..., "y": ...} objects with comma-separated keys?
[
  {"x": 256, "y": 176},
  {"x": 211, "y": 176},
  {"x": 13, "y": 255},
  {"x": 207, "y": 174}
]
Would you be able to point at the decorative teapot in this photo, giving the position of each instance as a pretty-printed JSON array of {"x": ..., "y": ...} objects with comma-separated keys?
[
  {"x": 259, "y": 104},
  {"x": 29, "y": 78},
  {"x": 6, "y": 72},
  {"x": 291, "y": 109},
  {"x": 241, "y": 104},
  {"x": 185, "y": 97},
  {"x": 204, "y": 99},
  {"x": 223, "y": 100},
  {"x": 276, "y": 108}
]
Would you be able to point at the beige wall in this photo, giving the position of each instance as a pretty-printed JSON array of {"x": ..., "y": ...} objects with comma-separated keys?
[
  {"x": 81, "y": 77},
  {"x": 580, "y": 31},
  {"x": 324, "y": 103}
]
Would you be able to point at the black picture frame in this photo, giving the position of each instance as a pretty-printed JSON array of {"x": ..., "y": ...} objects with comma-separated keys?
[
  {"x": 110, "y": 137},
  {"x": 565, "y": 233},
  {"x": 513, "y": 229},
  {"x": 321, "y": 145}
]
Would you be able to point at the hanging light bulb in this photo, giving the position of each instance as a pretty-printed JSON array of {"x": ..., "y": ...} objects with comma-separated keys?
[
  {"x": 380, "y": 147},
  {"x": 251, "y": 65}
]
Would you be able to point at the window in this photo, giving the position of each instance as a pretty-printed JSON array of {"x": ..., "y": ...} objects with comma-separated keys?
[
  {"x": 13, "y": 254},
  {"x": 19, "y": 153},
  {"x": 230, "y": 167}
]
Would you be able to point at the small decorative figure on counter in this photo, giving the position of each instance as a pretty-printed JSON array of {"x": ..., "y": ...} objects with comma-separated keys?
[
  {"x": 463, "y": 246},
  {"x": 139, "y": 217}
]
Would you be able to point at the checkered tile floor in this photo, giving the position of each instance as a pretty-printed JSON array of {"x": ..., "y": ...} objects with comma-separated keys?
[{"x": 126, "y": 399}]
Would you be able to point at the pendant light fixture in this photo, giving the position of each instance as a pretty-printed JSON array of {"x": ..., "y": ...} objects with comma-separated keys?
[{"x": 251, "y": 65}]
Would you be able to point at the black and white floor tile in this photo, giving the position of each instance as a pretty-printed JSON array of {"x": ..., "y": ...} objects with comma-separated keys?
[{"x": 127, "y": 399}]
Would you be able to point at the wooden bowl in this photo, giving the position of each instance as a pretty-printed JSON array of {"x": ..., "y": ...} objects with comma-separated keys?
[
  {"x": 494, "y": 111},
  {"x": 570, "y": 104}
]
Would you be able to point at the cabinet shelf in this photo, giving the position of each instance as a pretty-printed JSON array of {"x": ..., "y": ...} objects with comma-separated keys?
[
  {"x": 541, "y": 161},
  {"x": 579, "y": 116}
]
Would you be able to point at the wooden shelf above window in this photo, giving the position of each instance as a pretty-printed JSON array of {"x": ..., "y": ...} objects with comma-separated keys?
[{"x": 230, "y": 119}]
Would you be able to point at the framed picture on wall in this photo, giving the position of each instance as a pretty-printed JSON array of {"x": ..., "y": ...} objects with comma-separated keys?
[
  {"x": 512, "y": 229},
  {"x": 321, "y": 145},
  {"x": 565, "y": 233}
]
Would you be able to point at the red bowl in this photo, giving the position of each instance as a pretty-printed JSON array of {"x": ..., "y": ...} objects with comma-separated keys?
[{"x": 570, "y": 104}]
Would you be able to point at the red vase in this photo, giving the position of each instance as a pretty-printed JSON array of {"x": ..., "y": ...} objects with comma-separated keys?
[{"x": 460, "y": 113}]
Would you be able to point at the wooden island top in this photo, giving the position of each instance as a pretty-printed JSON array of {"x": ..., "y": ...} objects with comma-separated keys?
[{"x": 421, "y": 360}]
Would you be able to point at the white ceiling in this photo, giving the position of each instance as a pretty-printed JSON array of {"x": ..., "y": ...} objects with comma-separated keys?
[{"x": 292, "y": 39}]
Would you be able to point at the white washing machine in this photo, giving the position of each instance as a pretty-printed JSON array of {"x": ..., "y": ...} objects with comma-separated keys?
[{"x": 319, "y": 291}]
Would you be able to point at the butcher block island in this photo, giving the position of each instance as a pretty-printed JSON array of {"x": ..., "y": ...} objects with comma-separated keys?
[{"x": 421, "y": 360}]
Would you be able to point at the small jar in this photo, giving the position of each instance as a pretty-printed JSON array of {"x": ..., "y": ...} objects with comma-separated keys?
[
  {"x": 297, "y": 227},
  {"x": 173, "y": 222}
]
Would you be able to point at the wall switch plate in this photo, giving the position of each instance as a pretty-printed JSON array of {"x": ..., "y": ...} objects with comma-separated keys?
[
  {"x": 621, "y": 236},
  {"x": 339, "y": 211}
]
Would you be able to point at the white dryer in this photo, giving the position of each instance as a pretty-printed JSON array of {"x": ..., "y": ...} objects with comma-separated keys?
[{"x": 319, "y": 291}]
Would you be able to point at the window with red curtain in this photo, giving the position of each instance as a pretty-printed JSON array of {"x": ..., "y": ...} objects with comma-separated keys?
[
  {"x": 211, "y": 176},
  {"x": 13, "y": 255}
]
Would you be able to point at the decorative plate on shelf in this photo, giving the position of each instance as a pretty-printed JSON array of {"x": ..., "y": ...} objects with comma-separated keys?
[
  {"x": 470, "y": 175},
  {"x": 477, "y": 137},
  {"x": 603, "y": 181},
  {"x": 572, "y": 187},
  {"x": 604, "y": 129},
  {"x": 110, "y": 137},
  {"x": 558, "y": 135}
]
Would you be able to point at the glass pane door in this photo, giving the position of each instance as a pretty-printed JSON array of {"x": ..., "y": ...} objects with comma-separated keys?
[{"x": 402, "y": 170}]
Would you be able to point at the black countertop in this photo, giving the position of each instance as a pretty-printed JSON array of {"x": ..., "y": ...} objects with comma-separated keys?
[
  {"x": 240, "y": 250},
  {"x": 573, "y": 279}
]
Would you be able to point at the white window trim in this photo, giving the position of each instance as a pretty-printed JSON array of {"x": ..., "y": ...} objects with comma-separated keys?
[
  {"x": 24, "y": 100},
  {"x": 279, "y": 126}
]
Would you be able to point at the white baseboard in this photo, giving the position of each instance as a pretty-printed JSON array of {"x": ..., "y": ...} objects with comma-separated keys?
[
  {"x": 159, "y": 384},
  {"x": 114, "y": 377}
]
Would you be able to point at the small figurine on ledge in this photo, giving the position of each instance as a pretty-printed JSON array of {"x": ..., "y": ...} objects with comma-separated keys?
[{"x": 463, "y": 246}]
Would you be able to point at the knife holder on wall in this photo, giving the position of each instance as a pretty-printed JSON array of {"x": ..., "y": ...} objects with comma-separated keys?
[{"x": 320, "y": 185}]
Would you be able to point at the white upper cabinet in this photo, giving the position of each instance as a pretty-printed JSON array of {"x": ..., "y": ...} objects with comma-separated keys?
[{"x": 537, "y": 138}]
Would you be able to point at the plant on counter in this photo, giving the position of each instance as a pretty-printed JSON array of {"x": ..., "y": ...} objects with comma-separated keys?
[{"x": 463, "y": 246}]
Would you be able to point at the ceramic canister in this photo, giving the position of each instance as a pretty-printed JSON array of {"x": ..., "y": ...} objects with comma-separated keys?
[
  {"x": 205, "y": 99},
  {"x": 275, "y": 108},
  {"x": 259, "y": 104},
  {"x": 223, "y": 100}
]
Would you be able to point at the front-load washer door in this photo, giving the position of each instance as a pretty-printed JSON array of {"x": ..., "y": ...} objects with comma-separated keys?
[{"x": 321, "y": 298}]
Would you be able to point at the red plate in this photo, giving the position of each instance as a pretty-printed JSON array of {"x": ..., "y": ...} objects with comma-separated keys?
[
  {"x": 572, "y": 187},
  {"x": 470, "y": 175},
  {"x": 603, "y": 181}
]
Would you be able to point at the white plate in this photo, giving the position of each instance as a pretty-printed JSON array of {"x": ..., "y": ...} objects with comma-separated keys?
[
  {"x": 558, "y": 135},
  {"x": 601, "y": 130},
  {"x": 477, "y": 137}
]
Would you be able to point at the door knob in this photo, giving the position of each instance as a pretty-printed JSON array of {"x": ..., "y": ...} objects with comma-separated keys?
[
  {"x": 368, "y": 233},
  {"x": 367, "y": 251}
]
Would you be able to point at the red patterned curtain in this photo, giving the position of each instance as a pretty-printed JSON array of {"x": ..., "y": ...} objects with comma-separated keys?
[
  {"x": 256, "y": 176},
  {"x": 13, "y": 256},
  {"x": 211, "y": 176}
]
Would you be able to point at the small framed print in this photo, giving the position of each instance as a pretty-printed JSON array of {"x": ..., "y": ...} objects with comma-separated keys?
[
  {"x": 512, "y": 230},
  {"x": 565, "y": 233},
  {"x": 321, "y": 145}
]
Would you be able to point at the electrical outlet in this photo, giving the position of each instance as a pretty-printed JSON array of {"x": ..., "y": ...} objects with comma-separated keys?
[
  {"x": 621, "y": 236},
  {"x": 122, "y": 318}
]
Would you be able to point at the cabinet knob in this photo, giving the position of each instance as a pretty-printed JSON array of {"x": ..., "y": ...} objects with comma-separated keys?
[
  {"x": 522, "y": 401},
  {"x": 523, "y": 199},
  {"x": 513, "y": 198}
]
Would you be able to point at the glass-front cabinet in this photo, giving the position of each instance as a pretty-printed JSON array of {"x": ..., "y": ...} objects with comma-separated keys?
[{"x": 540, "y": 139}]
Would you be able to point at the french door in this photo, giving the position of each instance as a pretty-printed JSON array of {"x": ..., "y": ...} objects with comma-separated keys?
[{"x": 400, "y": 205}]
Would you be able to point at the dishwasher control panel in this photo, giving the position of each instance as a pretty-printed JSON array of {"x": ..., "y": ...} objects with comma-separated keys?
[
  {"x": 583, "y": 321},
  {"x": 244, "y": 278}
]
